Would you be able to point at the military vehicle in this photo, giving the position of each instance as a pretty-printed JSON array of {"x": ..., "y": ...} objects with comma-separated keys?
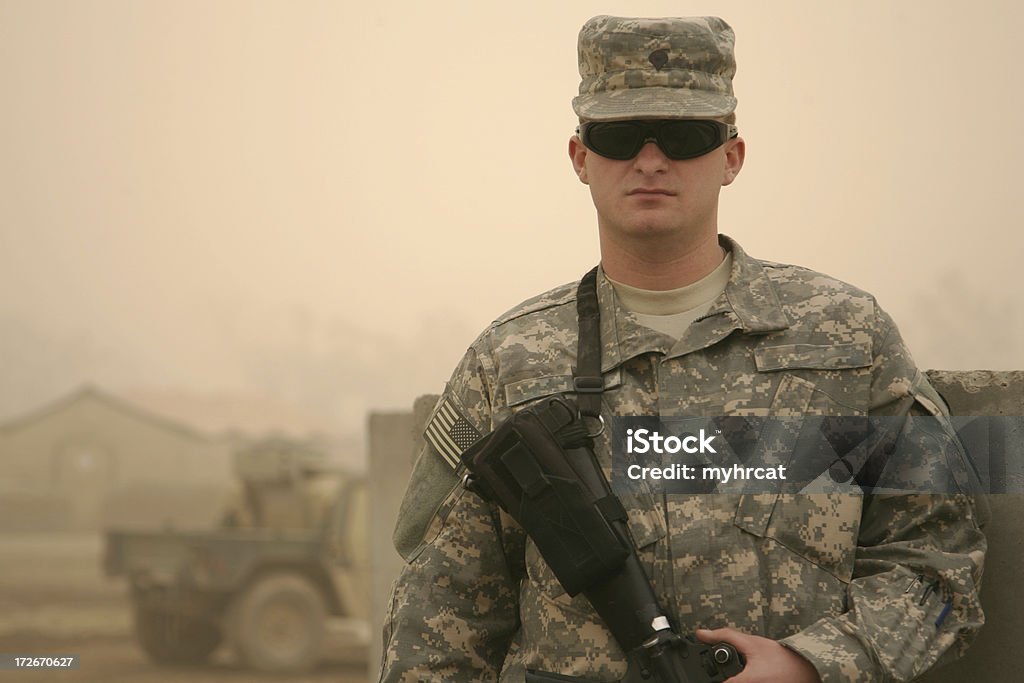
[{"x": 290, "y": 552}]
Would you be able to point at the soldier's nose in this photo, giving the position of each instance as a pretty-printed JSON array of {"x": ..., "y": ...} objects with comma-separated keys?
[{"x": 650, "y": 158}]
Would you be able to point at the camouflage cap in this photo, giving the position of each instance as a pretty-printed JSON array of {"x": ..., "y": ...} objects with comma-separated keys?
[{"x": 671, "y": 67}]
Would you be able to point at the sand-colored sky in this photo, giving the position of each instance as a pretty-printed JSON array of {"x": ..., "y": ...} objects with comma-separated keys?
[{"x": 325, "y": 201}]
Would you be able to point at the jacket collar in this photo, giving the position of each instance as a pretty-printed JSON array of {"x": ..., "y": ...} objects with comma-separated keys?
[{"x": 749, "y": 305}]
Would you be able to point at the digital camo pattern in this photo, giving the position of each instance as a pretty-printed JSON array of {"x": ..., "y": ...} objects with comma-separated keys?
[
  {"x": 660, "y": 68},
  {"x": 841, "y": 578}
]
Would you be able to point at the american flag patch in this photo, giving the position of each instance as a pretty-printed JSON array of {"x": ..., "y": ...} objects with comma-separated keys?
[{"x": 449, "y": 432}]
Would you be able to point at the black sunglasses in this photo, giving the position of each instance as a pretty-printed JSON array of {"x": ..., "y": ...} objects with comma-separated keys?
[{"x": 677, "y": 138}]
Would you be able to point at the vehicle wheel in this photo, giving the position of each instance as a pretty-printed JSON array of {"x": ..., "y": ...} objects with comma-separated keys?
[
  {"x": 277, "y": 624},
  {"x": 169, "y": 638}
]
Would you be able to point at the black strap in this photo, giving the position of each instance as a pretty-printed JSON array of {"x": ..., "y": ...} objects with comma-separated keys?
[{"x": 588, "y": 381}]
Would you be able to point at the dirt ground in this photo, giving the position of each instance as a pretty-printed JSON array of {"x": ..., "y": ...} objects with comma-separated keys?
[{"x": 54, "y": 600}]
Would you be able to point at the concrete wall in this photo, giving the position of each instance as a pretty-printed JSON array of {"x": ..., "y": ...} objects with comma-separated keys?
[
  {"x": 395, "y": 440},
  {"x": 982, "y": 393}
]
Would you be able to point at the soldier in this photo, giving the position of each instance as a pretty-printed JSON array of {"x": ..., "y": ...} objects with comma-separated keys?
[{"x": 807, "y": 587}]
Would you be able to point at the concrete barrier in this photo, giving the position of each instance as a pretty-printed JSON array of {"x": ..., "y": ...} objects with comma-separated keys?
[
  {"x": 984, "y": 393},
  {"x": 394, "y": 441},
  {"x": 396, "y": 438}
]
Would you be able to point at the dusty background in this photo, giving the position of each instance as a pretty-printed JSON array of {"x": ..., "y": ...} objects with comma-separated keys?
[{"x": 322, "y": 202}]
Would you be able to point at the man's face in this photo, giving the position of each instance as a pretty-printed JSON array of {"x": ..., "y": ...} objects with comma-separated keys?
[{"x": 652, "y": 196}]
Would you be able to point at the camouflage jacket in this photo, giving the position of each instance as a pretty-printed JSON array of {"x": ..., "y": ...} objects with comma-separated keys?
[{"x": 832, "y": 576}]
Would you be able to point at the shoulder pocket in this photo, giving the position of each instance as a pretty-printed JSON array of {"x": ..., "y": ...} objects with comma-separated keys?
[{"x": 433, "y": 489}]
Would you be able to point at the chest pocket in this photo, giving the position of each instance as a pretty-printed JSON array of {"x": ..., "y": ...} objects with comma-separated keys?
[
  {"x": 818, "y": 380},
  {"x": 646, "y": 524},
  {"x": 820, "y": 529}
]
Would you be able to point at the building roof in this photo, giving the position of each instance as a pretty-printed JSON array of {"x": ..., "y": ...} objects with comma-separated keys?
[{"x": 90, "y": 393}]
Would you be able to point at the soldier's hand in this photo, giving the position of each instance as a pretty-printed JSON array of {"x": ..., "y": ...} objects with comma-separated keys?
[{"x": 767, "y": 660}]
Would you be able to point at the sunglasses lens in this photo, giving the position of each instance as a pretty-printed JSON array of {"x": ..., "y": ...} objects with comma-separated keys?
[
  {"x": 688, "y": 139},
  {"x": 615, "y": 140}
]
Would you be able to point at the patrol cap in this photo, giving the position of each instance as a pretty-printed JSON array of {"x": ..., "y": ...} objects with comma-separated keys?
[{"x": 671, "y": 67}]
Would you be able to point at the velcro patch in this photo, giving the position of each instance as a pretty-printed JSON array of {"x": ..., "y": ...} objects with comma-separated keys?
[{"x": 448, "y": 430}]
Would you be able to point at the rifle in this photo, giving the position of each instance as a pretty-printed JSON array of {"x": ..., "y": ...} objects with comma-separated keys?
[{"x": 539, "y": 466}]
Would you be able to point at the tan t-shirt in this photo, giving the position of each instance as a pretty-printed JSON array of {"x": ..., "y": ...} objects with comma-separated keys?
[{"x": 671, "y": 311}]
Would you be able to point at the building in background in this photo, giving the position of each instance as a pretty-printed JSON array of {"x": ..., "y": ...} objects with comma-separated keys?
[{"x": 92, "y": 459}]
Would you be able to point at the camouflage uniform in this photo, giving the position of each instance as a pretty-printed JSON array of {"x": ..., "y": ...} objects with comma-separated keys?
[{"x": 833, "y": 576}]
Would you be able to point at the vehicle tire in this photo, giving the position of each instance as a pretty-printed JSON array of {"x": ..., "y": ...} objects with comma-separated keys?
[
  {"x": 169, "y": 638},
  {"x": 277, "y": 624}
]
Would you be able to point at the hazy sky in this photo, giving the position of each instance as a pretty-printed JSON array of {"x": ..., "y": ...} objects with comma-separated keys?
[{"x": 326, "y": 201}]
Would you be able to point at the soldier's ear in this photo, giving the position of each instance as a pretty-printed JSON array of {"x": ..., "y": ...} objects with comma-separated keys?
[
  {"x": 735, "y": 152},
  {"x": 578, "y": 156}
]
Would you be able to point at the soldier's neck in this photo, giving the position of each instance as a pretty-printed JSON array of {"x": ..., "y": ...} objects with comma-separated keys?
[{"x": 656, "y": 266}]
